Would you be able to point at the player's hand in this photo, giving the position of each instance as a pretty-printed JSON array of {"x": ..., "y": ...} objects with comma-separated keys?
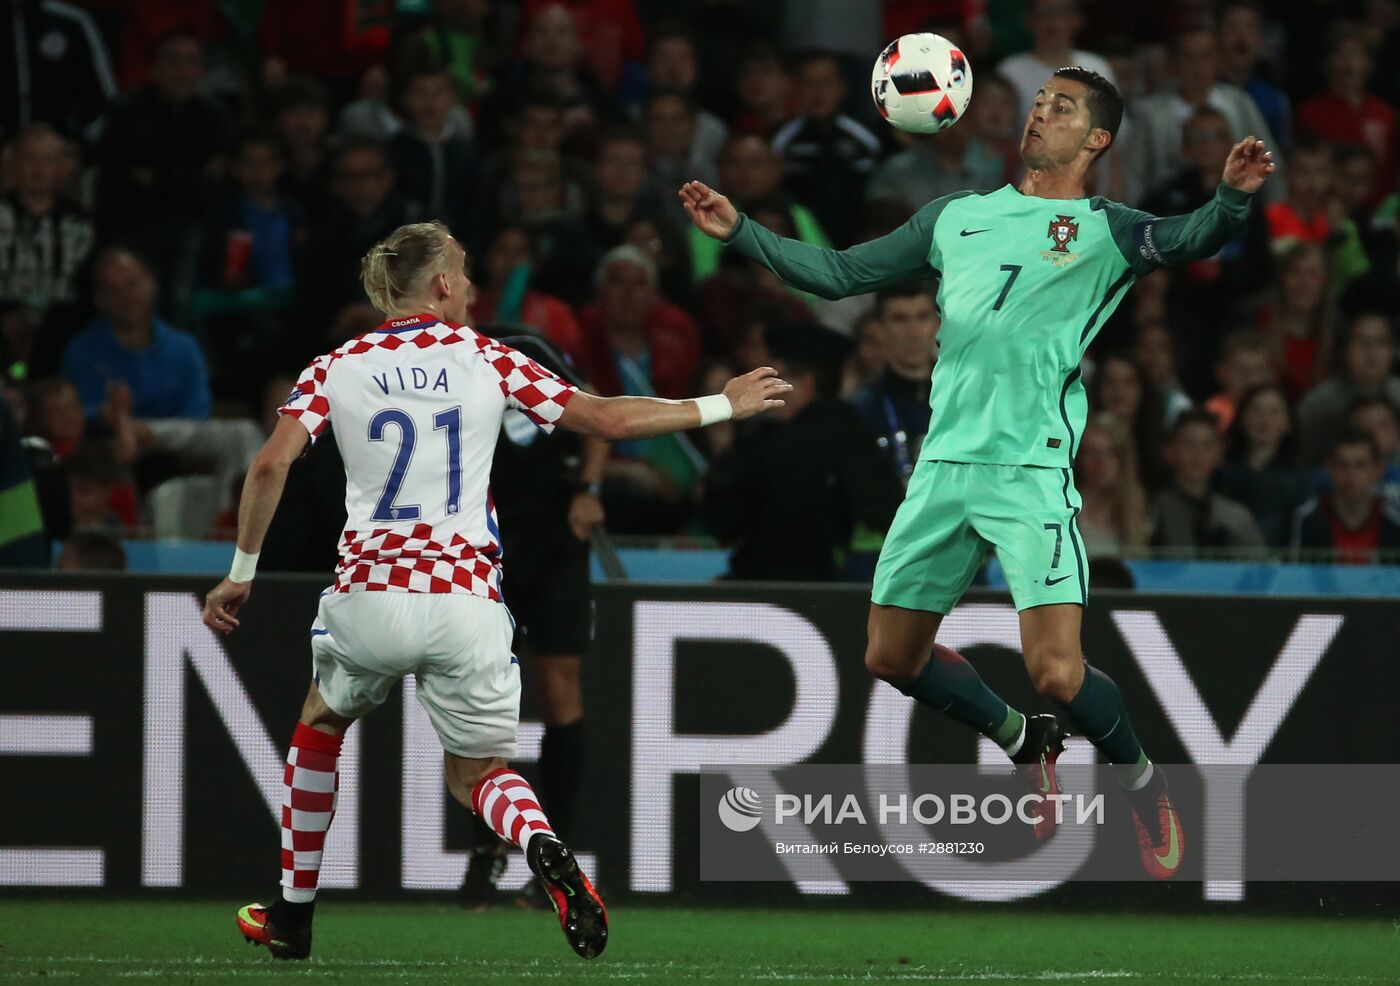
[
  {"x": 585, "y": 515},
  {"x": 711, "y": 211},
  {"x": 222, "y": 604},
  {"x": 755, "y": 392},
  {"x": 1248, "y": 165}
]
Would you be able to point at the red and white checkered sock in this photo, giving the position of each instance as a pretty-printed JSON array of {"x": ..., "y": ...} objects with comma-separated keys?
[
  {"x": 308, "y": 805},
  {"x": 507, "y": 803}
]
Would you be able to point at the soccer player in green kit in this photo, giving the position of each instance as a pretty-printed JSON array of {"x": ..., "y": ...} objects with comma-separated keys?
[{"x": 1027, "y": 276}]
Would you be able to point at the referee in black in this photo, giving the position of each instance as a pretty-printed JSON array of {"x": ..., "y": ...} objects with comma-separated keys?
[{"x": 546, "y": 490}]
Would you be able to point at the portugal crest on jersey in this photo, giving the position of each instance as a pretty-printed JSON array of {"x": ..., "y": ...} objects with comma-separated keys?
[{"x": 1062, "y": 230}]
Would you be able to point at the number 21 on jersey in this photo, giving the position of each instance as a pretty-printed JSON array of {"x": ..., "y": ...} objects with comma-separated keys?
[{"x": 448, "y": 421}]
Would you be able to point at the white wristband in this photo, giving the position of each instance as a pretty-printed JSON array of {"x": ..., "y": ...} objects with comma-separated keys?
[
  {"x": 244, "y": 566},
  {"x": 714, "y": 409}
]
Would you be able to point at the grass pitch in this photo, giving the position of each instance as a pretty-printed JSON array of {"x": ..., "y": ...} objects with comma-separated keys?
[{"x": 125, "y": 941}]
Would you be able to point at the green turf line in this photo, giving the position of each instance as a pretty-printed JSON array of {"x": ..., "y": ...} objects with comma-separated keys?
[{"x": 128, "y": 942}]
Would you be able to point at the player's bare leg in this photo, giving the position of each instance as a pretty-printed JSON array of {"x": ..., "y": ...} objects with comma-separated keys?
[
  {"x": 1093, "y": 705},
  {"x": 308, "y": 805},
  {"x": 902, "y": 651},
  {"x": 505, "y": 801}
]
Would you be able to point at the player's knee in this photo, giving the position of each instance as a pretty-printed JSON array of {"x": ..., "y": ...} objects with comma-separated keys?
[
  {"x": 1057, "y": 676},
  {"x": 463, "y": 775},
  {"x": 888, "y": 665}
]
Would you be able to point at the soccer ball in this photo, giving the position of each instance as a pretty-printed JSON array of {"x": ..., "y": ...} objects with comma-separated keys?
[{"x": 921, "y": 83}]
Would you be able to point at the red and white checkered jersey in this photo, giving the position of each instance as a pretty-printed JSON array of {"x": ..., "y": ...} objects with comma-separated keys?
[{"x": 416, "y": 406}]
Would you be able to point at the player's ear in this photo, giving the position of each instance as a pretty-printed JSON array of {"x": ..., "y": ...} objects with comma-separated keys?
[{"x": 1099, "y": 140}]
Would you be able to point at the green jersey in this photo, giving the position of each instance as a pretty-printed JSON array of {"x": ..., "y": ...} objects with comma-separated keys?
[{"x": 1025, "y": 284}]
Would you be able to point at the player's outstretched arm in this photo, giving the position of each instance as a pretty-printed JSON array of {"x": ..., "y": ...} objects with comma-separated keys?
[
  {"x": 262, "y": 490},
  {"x": 622, "y": 418},
  {"x": 1147, "y": 241},
  {"x": 898, "y": 257}
]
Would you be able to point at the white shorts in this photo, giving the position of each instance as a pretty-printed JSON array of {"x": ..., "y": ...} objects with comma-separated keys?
[{"x": 458, "y": 648}]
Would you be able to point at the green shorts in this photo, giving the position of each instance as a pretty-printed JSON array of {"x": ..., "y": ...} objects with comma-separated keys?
[{"x": 955, "y": 510}]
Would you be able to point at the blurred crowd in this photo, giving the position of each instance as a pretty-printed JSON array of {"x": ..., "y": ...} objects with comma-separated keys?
[{"x": 186, "y": 190}]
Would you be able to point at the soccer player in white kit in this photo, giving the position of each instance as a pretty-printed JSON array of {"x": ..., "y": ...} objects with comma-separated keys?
[{"x": 417, "y": 406}]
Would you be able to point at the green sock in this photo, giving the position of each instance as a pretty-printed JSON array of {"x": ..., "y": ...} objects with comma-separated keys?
[
  {"x": 949, "y": 684},
  {"x": 1099, "y": 715}
]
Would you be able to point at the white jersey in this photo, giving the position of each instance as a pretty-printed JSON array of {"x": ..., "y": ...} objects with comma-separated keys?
[{"x": 417, "y": 406}]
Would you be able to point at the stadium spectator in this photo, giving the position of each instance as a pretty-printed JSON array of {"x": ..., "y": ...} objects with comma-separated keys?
[
  {"x": 59, "y": 71},
  {"x": 895, "y": 405},
  {"x": 434, "y": 158},
  {"x": 535, "y": 130},
  {"x": 788, "y": 497},
  {"x": 668, "y": 250},
  {"x": 851, "y": 32},
  {"x": 91, "y": 551},
  {"x": 1303, "y": 216},
  {"x": 621, "y": 191},
  {"x": 827, "y": 156},
  {"x": 551, "y": 206},
  {"x": 637, "y": 343},
  {"x": 749, "y": 290},
  {"x": 1120, "y": 387},
  {"x": 1247, "y": 360},
  {"x": 301, "y": 118},
  {"x": 1210, "y": 289},
  {"x": 1054, "y": 27},
  {"x": 1155, "y": 352},
  {"x": 608, "y": 34},
  {"x": 1352, "y": 522},
  {"x": 1260, "y": 468},
  {"x": 673, "y": 66},
  {"x": 1240, "y": 26},
  {"x": 1353, "y": 175},
  {"x": 128, "y": 343},
  {"x": 1365, "y": 371},
  {"x": 23, "y": 541},
  {"x": 323, "y": 39},
  {"x": 1347, "y": 113},
  {"x": 457, "y": 36},
  {"x": 1154, "y": 144},
  {"x": 764, "y": 88},
  {"x": 1379, "y": 418},
  {"x": 504, "y": 294},
  {"x": 678, "y": 152},
  {"x": 935, "y": 165},
  {"x": 867, "y": 361},
  {"x": 1313, "y": 214},
  {"x": 100, "y": 492},
  {"x": 161, "y": 156},
  {"x": 371, "y": 115},
  {"x": 1187, "y": 512},
  {"x": 750, "y": 172},
  {"x": 1300, "y": 316},
  {"x": 253, "y": 234},
  {"x": 1113, "y": 520},
  {"x": 366, "y": 208},
  {"x": 554, "y": 61},
  {"x": 45, "y": 249},
  {"x": 996, "y": 120},
  {"x": 55, "y": 415}
]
